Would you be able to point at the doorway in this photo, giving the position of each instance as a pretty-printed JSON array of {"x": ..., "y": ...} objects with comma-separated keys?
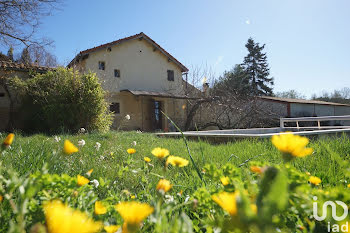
[{"x": 157, "y": 115}]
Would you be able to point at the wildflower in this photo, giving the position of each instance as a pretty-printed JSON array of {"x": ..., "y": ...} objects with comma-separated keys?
[
  {"x": 224, "y": 180},
  {"x": 100, "y": 208},
  {"x": 133, "y": 213},
  {"x": 134, "y": 143},
  {"x": 81, "y": 130},
  {"x": 132, "y": 196},
  {"x": 112, "y": 154},
  {"x": 147, "y": 160},
  {"x": 111, "y": 228},
  {"x": 348, "y": 185},
  {"x": 95, "y": 183},
  {"x": 308, "y": 173},
  {"x": 82, "y": 180},
  {"x": 254, "y": 208},
  {"x": 62, "y": 219},
  {"x": 57, "y": 139},
  {"x": 89, "y": 172},
  {"x": 160, "y": 152},
  {"x": 177, "y": 161},
  {"x": 127, "y": 117},
  {"x": 131, "y": 151},
  {"x": 1, "y": 198},
  {"x": 227, "y": 201},
  {"x": 168, "y": 199},
  {"x": 163, "y": 185},
  {"x": 97, "y": 145},
  {"x": 256, "y": 169},
  {"x": 291, "y": 144},
  {"x": 81, "y": 142},
  {"x": 8, "y": 140},
  {"x": 314, "y": 180},
  {"x": 69, "y": 148}
]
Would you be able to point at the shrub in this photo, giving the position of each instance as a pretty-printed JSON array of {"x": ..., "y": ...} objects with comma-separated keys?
[{"x": 62, "y": 100}]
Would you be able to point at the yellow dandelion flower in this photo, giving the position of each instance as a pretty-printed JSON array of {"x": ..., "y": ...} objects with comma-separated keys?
[
  {"x": 9, "y": 139},
  {"x": 131, "y": 151},
  {"x": 314, "y": 180},
  {"x": 89, "y": 172},
  {"x": 254, "y": 208},
  {"x": 256, "y": 169},
  {"x": 62, "y": 219},
  {"x": 164, "y": 185},
  {"x": 227, "y": 201},
  {"x": 133, "y": 213},
  {"x": 291, "y": 144},
  {"x": 348, "y": 185},
  {"x": 147, "y": 159},
  {"x": 100, "y": 208},
  {"x": 160, "y": 153},
  {"x": 111, "y": 228},
  {"x": 224, "y": 180},
  {"x": 69, "y": 148},
  {"x": 82, "y": 180},
  {"x": 177, "y": 161}
]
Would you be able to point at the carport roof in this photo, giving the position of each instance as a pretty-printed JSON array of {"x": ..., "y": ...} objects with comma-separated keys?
[{"x": 155, "y": 94}]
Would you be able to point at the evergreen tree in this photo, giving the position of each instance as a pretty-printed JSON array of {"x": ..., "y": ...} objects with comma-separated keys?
[
  {"x": 256, "y": 66},
  {"x": 10, "y": 54},
  {"x": 25, "y": 56},
  {"x": 235, "y": 82}
]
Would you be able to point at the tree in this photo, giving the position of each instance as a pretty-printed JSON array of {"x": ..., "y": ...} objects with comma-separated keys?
[
  {"x": 20, "y": 20},
  {"x": 235, "y": 81},
  {"x": 256, "y": 66},
  {"x": 41, "y": 56},
  {"x": 25, "y": 57},
  {"x": 292, "y": 94},
  {"x": 10, "y": 53}
]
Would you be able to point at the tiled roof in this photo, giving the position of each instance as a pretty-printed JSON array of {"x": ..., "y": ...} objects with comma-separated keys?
[
  {"x": 301, "y": 101},
  {"x": 137, "y": 36},
  {"x": 9, "y": 65}
]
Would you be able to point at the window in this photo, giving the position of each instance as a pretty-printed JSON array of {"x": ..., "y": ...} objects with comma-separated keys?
[
  {"x": 101, "y": 65},
  {"x": 170, "y": 75},
  {"x": 117, "y": 73},
  {"x": 115, "y": 107}
]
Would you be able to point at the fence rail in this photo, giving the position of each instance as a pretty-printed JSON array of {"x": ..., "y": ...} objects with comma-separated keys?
[{"x": 315, "y": 119}]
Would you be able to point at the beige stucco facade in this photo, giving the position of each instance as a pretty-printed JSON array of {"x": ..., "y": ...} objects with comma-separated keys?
[{"x": 142, "y": 66}]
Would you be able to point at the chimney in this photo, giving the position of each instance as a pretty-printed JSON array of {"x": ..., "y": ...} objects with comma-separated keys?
[{"x": 206, "y": 89}]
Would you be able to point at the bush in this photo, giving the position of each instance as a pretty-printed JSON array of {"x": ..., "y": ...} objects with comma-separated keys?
[{"x": 62, "y": 101}]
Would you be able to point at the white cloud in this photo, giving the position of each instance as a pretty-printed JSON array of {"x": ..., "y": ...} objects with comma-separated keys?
[{"x": 247, "y": 21}]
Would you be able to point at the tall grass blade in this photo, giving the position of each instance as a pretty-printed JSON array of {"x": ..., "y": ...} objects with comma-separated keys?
[{"x": 188, "y": 149}]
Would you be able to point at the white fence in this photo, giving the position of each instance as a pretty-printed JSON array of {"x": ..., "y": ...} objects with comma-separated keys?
[{"x": 316, "y": 119}]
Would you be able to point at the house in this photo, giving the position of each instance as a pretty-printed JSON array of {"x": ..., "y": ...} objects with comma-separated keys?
[
  {"x": 9, "y": 107},
  {"x": 286, "y": 107},
  {"x": 141, "y": 80}
]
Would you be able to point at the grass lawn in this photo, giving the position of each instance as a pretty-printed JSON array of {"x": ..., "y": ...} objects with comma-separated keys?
[
  {"x": 29, "y": 154},
  {"x": 129, "y": 173}
]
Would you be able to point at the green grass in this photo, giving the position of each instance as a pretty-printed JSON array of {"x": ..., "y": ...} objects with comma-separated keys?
[{"x": 29, "y": 154}]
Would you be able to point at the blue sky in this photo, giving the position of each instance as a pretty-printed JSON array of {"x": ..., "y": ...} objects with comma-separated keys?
[{"x": 307, "y": 41}]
